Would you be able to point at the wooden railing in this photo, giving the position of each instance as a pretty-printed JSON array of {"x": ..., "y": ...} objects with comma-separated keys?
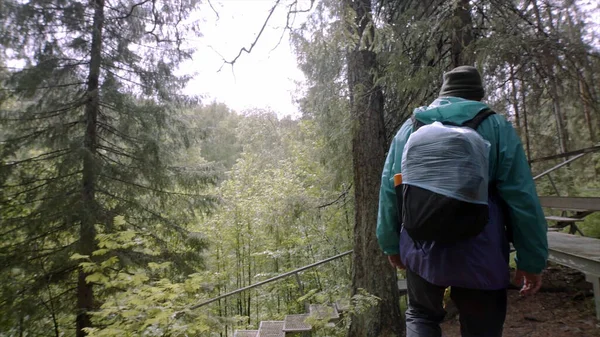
[{"x": 278, "y": 277}]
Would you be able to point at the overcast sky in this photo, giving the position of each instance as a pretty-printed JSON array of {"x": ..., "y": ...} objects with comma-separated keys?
[{"x": 264, "y": 78}]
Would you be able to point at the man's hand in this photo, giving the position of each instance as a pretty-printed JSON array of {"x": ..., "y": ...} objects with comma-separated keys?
[
  {"x": 530, "y": 283},
  {"x": 395, "y": 261}
]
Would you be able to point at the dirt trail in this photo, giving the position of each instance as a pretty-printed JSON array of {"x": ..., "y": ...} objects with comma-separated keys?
[{"x": 566, "y": 311}]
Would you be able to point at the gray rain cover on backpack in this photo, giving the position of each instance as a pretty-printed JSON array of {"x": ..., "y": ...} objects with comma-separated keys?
[
  {"x": 449, "y": 160},
  {"x": 445, "y": 182}
]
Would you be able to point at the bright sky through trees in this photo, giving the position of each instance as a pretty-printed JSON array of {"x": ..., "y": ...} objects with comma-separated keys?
[{"x": 264, "y": 78}]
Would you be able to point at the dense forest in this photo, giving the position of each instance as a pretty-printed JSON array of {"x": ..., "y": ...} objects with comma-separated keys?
[{"x": 125, "y": 204}]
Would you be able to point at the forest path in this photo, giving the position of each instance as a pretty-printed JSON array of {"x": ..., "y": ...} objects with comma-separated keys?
[{"x": 564, "y": 308}]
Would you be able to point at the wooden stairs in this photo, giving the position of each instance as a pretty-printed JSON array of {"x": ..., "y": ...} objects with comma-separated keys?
[{"x": 297, "y": 325}]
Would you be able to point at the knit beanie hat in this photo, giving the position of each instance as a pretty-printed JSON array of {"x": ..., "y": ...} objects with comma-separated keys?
[{"x": 464, "y": 82}]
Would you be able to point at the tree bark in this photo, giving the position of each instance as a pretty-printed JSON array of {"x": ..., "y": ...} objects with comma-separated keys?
[
  {"x": 87, "y": 235},
  {"x": 558, "y": 116},
  {"x": 515, "y": 100},
  {"x": 525, "y": 121},
  {"x": 371, "y": 271},
  {"x": 587, "y": 103}
]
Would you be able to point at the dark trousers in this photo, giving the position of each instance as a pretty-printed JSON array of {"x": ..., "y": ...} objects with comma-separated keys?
[{"x": 482, "y": 312}]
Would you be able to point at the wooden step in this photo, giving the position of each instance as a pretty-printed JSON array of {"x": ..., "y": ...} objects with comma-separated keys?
[
  {"x": 342, "y": 305},
  {"x": 245, "y": 333},
  {"x": 296, "y": 323},
  {"x": 562, "y": 219},
  {"x": 322, "y": 311},
  {"x": 571, "y": 203},
  {"x": 271, "y": 329}
]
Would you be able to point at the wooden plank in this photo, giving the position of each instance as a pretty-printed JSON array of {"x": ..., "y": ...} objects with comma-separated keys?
[
  {"x": 571, "y": 203},
  {"x": 562, "y": 219},
  {"x": 402, "y": 285},
  {"x": 245, "y": 333},
  {"x": 271, "y": 329},
  {"x": 580, "y": 253},
  {"x": 342, "y": 305},
  {"x": 577, "y": 252},
  {"x": 296, "y": 323}
]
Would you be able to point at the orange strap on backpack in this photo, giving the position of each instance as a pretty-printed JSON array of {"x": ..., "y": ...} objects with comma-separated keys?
[{"x": 397, "y": 179}]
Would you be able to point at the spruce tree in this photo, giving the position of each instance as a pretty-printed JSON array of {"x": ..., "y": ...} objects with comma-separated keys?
[{"x": 91, "y": 131}]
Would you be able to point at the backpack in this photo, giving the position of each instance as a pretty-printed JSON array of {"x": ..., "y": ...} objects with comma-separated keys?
[{"x": 445, "y": 181}]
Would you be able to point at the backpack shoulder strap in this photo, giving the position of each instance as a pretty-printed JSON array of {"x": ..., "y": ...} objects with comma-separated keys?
[
  {"x": 416, "y": 123},
  {"x": 472, "y": 123},
  {"x": 479, "y": 118}
]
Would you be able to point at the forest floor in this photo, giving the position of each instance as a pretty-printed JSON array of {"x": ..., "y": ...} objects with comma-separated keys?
[{"x": 563, "y": 308}]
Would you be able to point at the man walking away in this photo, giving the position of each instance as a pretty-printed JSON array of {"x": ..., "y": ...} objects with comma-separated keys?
[{"x": 455, "y": 188}]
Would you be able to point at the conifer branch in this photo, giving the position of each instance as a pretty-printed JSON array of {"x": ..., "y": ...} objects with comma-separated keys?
[
  {"x": 9, "y": 203},
  {"x": 114, "y": 146},
  {"x": 155, "y": 215},
  {"x": 53, "y": 86},
  {"x": 128, "y": 80},
  {"x": 40, "y": 133},
  {"x": 28, "y": 220},
  {"x": 41, "y": 157},
  {"x": 118, "y": 153},
  {"x": 40, "y": 236},
  {"x": 40, "y": 281},
  {"x": 155, "y": 189},
  {"x": 112, "y": 130},
  {"x": 111, "y": 161},
  {"x": 51, "y": 252},
  {"x": 48, "y": 182},
  {"x": 45, "y": 114}
]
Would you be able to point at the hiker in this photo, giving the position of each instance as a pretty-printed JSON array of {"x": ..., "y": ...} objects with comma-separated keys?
[{"x": 449, "y": 225}]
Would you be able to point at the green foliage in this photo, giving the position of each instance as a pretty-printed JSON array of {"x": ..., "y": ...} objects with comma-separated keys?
[
  {"x": 218, "y": 124},
  {"x": 93, "y": 157},
  {"x": 285, "y": 201},
  {"x": 540, "y": 70},
  {"x": 280, "y": 211},
  {"x": 320, "y": 47},
  {"x": 154, "y": 305}
]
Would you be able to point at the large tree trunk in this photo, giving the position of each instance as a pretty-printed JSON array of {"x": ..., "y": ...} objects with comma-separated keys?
[
  {"x": 371, "y": 270},
  {"x": 87, "y": 235}
]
